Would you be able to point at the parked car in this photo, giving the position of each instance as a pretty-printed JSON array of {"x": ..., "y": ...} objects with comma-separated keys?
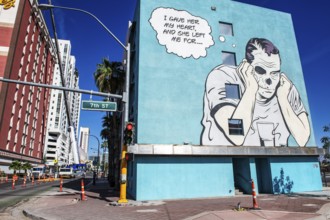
[{"x": 67, "y": 173}]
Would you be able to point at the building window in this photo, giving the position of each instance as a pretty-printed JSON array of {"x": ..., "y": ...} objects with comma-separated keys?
[
  {"x": 226, "y": 29},
  {"x": 232, "y": 91},
  {"x": 228, "y": 58},
  {"x": 235, "y": 126}
]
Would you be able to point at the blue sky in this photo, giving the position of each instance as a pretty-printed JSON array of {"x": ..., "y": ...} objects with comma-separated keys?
[{"x": 90, "y": 43}]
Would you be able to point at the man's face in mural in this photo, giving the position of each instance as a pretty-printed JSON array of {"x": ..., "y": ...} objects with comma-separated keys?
[{"x": 266, "y": 72}]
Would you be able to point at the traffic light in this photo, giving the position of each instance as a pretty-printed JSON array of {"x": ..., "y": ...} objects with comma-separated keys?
[
  {"x": 128, "y": 133},
  {"x": 129, "y": 157}
]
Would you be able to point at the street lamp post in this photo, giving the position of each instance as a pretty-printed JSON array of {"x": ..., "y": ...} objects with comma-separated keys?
[
  {"x": 98, "y": 153},
  {"x": 125, "y": 97}
]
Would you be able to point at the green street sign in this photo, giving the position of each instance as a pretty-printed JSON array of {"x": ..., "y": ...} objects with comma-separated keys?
[{"x": 99, "y": 106}]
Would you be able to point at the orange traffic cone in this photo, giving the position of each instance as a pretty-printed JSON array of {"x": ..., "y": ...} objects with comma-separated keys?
[
  {"x": 254, "y": 196},
  {"x": 83, "y": 198},
  {"x": 61, "y": 185}
]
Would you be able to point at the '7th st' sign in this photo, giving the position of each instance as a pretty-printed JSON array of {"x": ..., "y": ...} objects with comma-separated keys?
[{"x": 99, "y": 106}]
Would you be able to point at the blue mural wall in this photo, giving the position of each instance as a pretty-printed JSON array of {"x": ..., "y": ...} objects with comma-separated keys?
[
  {"x": 179, "y": 44},
  {"x": 179, "y": 177},
  {"x": 291, "y": 174}
]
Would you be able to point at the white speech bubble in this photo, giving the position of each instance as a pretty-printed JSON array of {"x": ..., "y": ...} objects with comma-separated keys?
[{"x": 181, "y": 33}]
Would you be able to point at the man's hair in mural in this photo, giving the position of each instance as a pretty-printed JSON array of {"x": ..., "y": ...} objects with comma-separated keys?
[{"x": 267, "y": 46}]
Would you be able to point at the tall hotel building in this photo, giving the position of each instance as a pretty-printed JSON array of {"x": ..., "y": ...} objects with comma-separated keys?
[
  {"x": 26, "y": 54},
  {"x": 58, "y": 149},
  {"x": 84, "y": 143}
]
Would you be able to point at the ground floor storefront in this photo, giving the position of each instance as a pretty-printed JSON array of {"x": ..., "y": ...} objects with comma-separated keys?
[{"x": 180, "y": 172}]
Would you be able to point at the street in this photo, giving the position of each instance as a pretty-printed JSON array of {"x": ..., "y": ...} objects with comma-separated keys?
[
  {"x": 9, "y": 197},
  {"x": 102, "y": 203}
]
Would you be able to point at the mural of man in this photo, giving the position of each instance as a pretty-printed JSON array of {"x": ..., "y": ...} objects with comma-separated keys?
[{"x": 266, "y": 109}]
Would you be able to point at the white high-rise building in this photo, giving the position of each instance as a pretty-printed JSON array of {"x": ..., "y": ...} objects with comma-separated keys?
[
  {"x": 57, "y": 148},
  {"x": 83, "y": 143}
]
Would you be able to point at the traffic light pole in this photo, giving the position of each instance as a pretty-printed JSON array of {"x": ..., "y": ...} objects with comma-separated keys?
[
  {"x": 127, "y": 140},
  {"x": 123, "y": 176},
  {"x": 125, "y": 97}
]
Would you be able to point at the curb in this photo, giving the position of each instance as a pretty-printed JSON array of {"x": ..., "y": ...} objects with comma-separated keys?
[{"x": 32, "y": 216}]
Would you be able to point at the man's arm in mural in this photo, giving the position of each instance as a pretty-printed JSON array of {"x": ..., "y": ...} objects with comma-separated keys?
[
  {"x": 298, "y": 125},
  {"x": 244, "y": 109}
]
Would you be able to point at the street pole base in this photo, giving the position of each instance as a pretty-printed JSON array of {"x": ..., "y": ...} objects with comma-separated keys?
[
  {"x": 120, "y": 201},
  {"x": 256, "y": 208}
]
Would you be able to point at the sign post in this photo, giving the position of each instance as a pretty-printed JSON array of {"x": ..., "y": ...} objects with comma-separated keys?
[{"x": 99, "y": 106}]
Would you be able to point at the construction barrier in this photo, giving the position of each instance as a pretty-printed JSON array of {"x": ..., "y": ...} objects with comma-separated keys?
[
  {"x": 83, "y": 197},
  {"x": 254, "y": 196}
]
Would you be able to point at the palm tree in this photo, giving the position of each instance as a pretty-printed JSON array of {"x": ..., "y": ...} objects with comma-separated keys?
[
  {"x": 109, "y": 77},
  {"x": 15, "y": 165},
  {"x": 26, "y": 166},
  {"x": 326, "y": 140}
]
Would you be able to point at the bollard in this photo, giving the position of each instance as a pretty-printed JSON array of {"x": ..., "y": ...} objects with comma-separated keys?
[
  {"x": 83, "y": 198},
  {"x": 13, "y": 184},
  {"x": 32, "y": 180},
  {"x": 61, "y": 184},
  {"x": 254, "y": 196}
]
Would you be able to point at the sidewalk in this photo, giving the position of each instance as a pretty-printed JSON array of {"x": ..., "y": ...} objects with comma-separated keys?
[{"x": 102, "y": 204}]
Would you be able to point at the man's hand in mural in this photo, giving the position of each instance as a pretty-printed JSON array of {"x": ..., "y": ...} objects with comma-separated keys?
[
  {"x": 298, "y": 124},
  {"x": 284, "y": 87},
  {"x": 246, "y": 73},
  {"x": 244, "y": 109}
]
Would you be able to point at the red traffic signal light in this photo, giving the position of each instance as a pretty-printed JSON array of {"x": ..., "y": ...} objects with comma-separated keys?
[
  {"x": 129, "y": 157},
  {"x": 129, "y": 126},
  {"x": 128, "y": 133}
]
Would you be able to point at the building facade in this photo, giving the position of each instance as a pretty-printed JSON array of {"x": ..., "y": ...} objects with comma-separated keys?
[
  {"x": 26, "y": 54},
  {"x": 218, "y": 98},
  {"x": 58, "y": 150},
  {"x": 84, "y": 143}
]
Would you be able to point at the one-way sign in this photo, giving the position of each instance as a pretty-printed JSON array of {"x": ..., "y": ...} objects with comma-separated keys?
[{"x": 99, "y": 106}]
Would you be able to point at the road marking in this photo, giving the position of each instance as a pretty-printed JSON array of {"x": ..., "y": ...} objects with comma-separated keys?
[{"x": 147, "y": 210}]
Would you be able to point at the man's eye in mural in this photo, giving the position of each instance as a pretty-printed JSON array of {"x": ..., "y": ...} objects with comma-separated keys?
[
  {"x": 260, "y": 70},
  {"x": 275, "y": 75}
]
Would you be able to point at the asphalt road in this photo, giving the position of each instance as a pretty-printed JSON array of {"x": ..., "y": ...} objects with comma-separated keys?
[{"x": 10, "y": 197}]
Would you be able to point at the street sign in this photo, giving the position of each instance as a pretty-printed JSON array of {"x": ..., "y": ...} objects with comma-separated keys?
[{"x": 99, "y": 106}]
